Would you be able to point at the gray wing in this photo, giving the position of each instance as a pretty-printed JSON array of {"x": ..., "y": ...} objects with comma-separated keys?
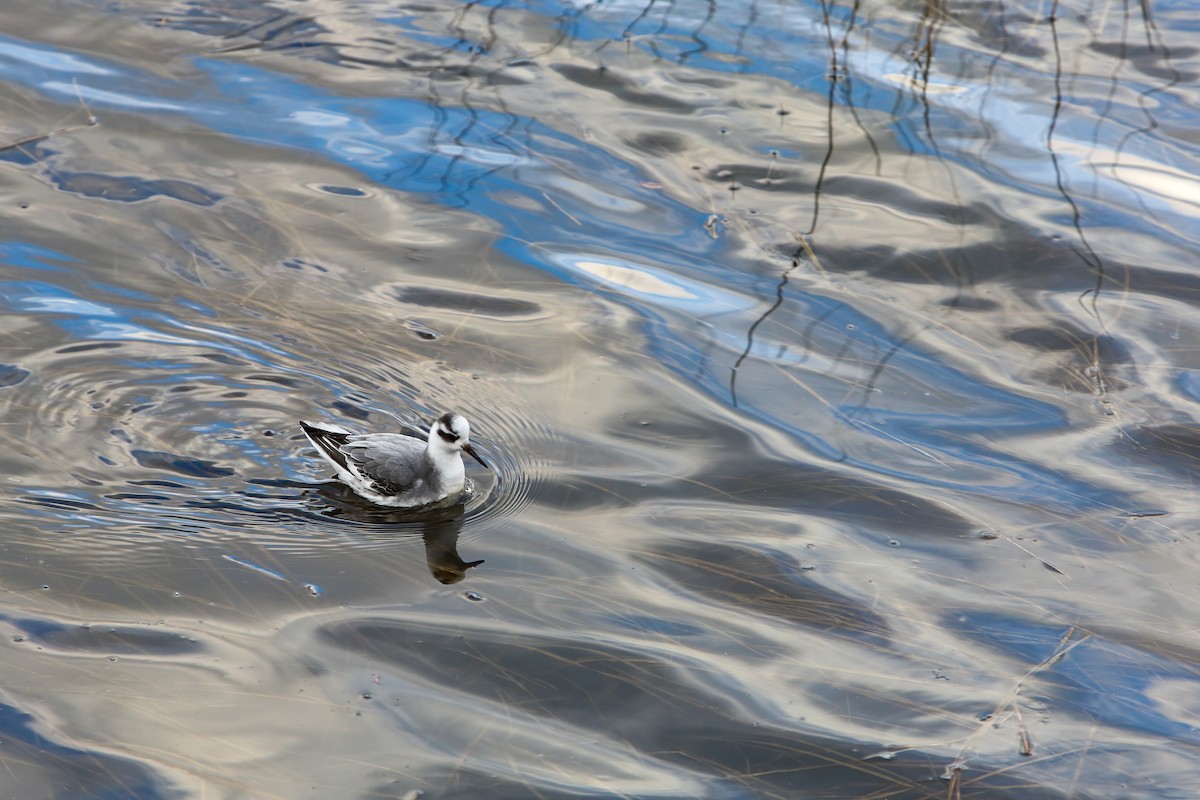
[{"x": 392, "y": 462}]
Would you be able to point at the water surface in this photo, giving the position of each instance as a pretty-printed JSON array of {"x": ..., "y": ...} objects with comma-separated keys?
[{"x": 836, "y": 365}]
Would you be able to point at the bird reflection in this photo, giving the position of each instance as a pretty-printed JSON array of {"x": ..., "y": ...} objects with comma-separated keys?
[
  {"x": 439, "y": 528},
  {"x": 441, "y": 551}
]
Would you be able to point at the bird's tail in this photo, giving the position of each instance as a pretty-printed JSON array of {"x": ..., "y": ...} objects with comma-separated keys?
[{"x": 328, "y": 439}]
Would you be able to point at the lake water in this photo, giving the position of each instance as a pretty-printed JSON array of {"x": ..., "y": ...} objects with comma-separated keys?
[{"x": 837, "y": 365}]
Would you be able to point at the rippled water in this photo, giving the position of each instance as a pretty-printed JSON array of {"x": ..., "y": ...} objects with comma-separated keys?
[{"x": 835, "y": 365}]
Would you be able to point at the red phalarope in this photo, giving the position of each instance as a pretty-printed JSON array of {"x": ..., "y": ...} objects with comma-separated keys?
[{"x": 390, "y": 469}]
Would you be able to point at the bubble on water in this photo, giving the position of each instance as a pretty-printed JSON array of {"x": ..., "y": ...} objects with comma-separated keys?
[
  {"x": 421, "y": 331},
  {"x": 476, "y": 596},
  {"x": 953, "y": 770}
]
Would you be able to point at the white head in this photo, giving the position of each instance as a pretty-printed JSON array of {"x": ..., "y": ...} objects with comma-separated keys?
[{"x": 451, "y": 434}]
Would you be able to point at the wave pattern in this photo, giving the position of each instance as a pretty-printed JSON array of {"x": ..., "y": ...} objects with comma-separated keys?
[{"x": 833, "y": 364}]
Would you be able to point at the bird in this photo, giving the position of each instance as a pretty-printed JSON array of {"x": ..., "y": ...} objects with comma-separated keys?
[{"x": 398, "y": 471}]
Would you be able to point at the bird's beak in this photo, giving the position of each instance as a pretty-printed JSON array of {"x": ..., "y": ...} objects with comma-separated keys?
[{"x": 471, "y": 452}]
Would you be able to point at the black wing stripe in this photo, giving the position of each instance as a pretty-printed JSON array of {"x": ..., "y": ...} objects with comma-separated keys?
[{"x": 329, "y": 442}]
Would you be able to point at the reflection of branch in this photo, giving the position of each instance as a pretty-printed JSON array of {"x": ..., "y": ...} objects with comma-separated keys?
[
  {"x": 844, "y": 77},
  {"x": 932, "y": 19},
  {"x": 1151, "y": 125},
  {"x": 260, "y": 43},
  {"x": 833, "y": 71},
  {"x": 838, "y": 74},
  {"x": 473, "y": 120},
  {"x": 804, "y": 250},
  {"x": 783, "y": 279},
  {"x": 1088, "y": 255},
  {"x": 1152, "y": 33},
  {"x": 701, "y": 45}
]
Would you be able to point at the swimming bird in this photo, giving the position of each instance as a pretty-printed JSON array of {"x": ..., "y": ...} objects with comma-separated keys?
[{"x": 391, "y": 469}]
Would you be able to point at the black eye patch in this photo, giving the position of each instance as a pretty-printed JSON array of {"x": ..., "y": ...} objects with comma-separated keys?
[{"x": 449, "y": 437}]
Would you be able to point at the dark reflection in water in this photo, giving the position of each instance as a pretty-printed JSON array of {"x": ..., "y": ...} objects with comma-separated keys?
[
  {"x": 34, "y": 760},
  {"x": 835, "y": 362},
  {"x": 439, "y": 528},
  {"x": 441, "y": 552}
]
